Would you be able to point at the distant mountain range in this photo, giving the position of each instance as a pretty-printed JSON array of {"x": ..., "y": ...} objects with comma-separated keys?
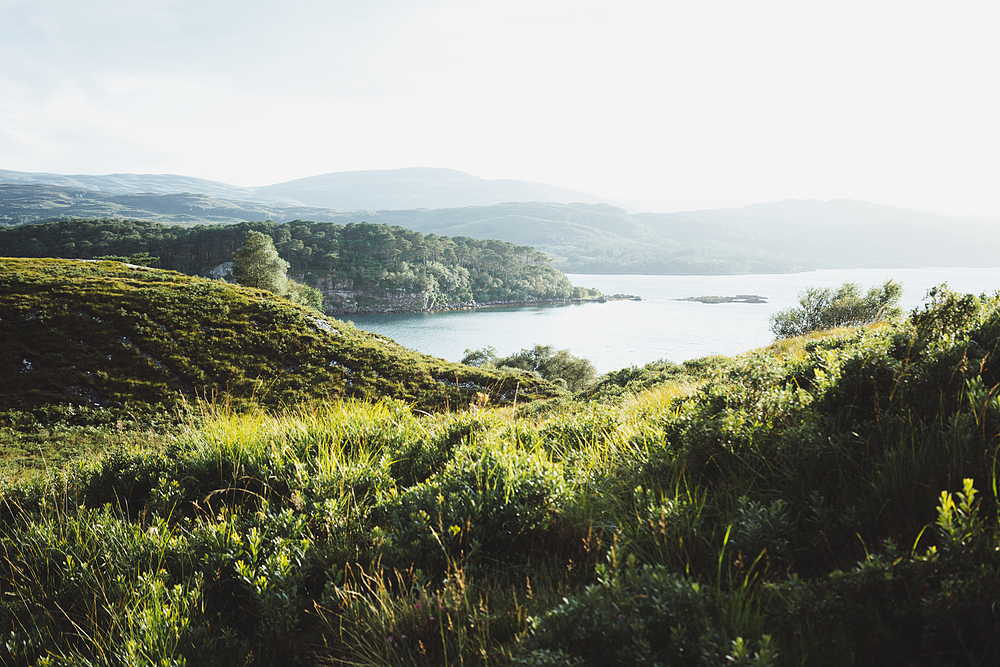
[
  {"x": 580, "y": 231},
  {"x": 383, "y": 189}
]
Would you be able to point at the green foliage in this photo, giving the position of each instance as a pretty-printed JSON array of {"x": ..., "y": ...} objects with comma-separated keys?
[
  {"x": 832, "y": 505},
  {"x": 575, "y": 373},
  {"x": 958, "y": 523},
  {"x": 139, "y": 259},
  {"x": 104, "y": 335},
  {"x": 302, "y": 294},
  {"x": 372, "y": 256},
  {"x": 614, "y": 386},
  {"x": 826, "y": 308},
  {"x": 257, "y": 264},
  {"x": 648, "y": 616},
  {"x": 487, "y": 506}
]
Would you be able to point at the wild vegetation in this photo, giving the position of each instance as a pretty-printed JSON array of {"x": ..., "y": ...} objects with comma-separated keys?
[
  {"x": 105, "y": 335},
  {"x": 560, "y": 366},
  {"x": 448, "y": 269},
  {"x": 830, "y": 500},
  {"x": 825, "y": 308},
  {"x": 257, "y": 264}
]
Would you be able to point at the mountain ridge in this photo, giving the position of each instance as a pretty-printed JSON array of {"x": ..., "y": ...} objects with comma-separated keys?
[
  {"x": 418, "y": 187},
  {"x": 407, "y": 188},
  {"x": 583, "y": 237}
]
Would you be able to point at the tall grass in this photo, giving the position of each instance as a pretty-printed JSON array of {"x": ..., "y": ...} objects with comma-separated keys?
[{"x": 834, "y": 502}]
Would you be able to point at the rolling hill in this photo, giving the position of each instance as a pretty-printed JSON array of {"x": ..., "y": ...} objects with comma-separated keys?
[
  {"x": 112, "y": 335},
  {"x": 417, "y": 187},
  {"x": 125, "y": 184}
]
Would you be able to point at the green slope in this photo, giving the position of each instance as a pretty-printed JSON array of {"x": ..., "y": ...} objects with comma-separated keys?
[
  {"x": 828, "y": 501},
  {"x": 110, "y": 335}
]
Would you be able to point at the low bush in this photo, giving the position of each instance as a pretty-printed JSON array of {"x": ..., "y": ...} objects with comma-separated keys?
[
  {"x": 648, "y": 616},
  {"x": 487, "y": 507},
  {"x": 824, "y": 308}
]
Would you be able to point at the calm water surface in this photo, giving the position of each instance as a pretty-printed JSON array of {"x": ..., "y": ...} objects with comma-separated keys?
[{"x": 624, "y": 333}]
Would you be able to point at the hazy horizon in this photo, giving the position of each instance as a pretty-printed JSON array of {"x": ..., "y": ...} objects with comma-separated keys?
[
  {"x": 631, "y": 206},
  {"x": 673, "y": 106}
]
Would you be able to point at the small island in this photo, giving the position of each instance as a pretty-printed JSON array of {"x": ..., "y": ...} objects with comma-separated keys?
[
  {"x": 617, "y": 297},
  {"x": 739, "y": 298}
]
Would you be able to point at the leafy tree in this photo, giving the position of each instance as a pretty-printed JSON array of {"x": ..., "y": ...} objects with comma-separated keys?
[
  {"x": 484, "y": 357},
  {"x": 449, "y": 270},
  {"x": 257, "y": 264},
  {"x": 825, "y": 308},
  {"x": 553, "y": 365},
  {"x": 303, "y": 295}
]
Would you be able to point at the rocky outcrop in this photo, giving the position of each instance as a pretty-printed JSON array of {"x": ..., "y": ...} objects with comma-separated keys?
[
  {"x": 739, "y": 298},
  {"x": 341, "y": 298}
]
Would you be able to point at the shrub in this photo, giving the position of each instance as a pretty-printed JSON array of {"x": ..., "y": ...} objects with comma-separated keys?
[
  {"x": 825, "y": 308},
  {"x": 487, "y": 505},
  {"x": 647, "y": 616},
  {"x": 576, "y": 373}
]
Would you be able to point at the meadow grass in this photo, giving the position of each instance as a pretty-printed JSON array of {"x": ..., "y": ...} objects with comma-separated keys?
[{"x": 832, "y": 500}]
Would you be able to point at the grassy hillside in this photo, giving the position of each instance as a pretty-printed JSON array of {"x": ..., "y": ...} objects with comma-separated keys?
[
  {"x": 108, "y": 335},
  {"x": 828, "y": 501}
]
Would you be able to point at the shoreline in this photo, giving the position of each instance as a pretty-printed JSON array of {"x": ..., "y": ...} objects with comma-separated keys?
[{"x": 475, "y": 305}]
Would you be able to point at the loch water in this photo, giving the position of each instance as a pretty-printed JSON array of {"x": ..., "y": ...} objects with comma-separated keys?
[{"x": 618, "y": 334}]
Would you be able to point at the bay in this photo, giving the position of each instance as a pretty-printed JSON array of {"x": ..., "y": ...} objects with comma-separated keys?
[{"x": 619, "y": 334}]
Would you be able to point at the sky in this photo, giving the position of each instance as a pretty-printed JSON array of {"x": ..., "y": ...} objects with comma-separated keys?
[{"x": 672, "y": 104}]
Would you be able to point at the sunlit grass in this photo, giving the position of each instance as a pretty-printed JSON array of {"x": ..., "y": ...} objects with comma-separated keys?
[
  {"x": 794, "y": 348},
  {"x": 762, "y": 510}
]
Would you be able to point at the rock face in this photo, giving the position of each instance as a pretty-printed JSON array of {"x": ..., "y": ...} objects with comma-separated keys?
[
  {"x": 222, "y": 271},
  {"x": 340, "y": 297}
]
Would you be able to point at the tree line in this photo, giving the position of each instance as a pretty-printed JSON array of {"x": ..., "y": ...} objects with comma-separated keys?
[{"x": 372, "y": 255}]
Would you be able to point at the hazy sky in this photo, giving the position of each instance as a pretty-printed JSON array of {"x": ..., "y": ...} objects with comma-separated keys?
[{"x": 692, "y": 104}]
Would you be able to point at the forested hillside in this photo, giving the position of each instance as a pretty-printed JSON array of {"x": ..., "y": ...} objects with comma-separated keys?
[{"x": 455, "y": 269}]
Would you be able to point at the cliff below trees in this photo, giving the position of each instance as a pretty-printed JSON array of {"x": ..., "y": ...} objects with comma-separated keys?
[{"x": 341, "y": 297}]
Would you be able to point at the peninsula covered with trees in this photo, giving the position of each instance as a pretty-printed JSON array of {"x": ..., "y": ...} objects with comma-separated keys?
[{"x": 389, "y": 259}]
